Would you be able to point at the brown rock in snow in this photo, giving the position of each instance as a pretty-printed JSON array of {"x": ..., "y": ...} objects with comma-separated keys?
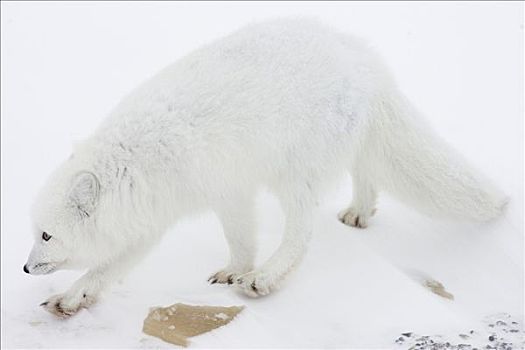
[{"x": 175, "y": 323}]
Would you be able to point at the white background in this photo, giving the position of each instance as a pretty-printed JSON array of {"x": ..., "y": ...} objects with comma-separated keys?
[{"x": 65, "y": 65}]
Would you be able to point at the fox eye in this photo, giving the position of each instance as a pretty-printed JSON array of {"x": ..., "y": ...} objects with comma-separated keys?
[{"x": 45, "y": 236}]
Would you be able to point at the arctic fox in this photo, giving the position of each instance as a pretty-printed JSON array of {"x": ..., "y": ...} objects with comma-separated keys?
[{"x": 287, "y": 104}]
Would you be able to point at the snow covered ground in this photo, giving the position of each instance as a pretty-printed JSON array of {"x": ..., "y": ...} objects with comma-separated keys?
[{"x": 64, "y": 65}]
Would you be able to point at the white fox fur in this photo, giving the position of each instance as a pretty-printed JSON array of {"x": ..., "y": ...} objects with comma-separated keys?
[{"x": 290, "y": 105}]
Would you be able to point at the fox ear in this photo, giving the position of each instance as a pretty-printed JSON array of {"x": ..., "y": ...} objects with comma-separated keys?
[{"x": 84, "y": 193}]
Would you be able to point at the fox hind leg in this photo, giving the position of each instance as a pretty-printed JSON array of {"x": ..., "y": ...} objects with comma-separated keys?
[{"x": 364, "y": 199}]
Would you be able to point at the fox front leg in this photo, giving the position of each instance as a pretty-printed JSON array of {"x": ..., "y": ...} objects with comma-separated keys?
[
  {"x": 85, "y": 292},
  {"x": 82, "y": 294}
]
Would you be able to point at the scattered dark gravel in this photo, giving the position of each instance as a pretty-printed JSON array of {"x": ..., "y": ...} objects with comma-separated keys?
[{"x": 501, "y": 333}]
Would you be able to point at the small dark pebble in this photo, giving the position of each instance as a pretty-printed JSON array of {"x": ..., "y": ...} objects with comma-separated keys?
[
  {"x": 464, "y": 336},
  {"x": 491, "y": 325},
  {"x": 514, "y": 322},
  {"x": 471, "y": 331},
  {"x": 514, "y": 331},
  {"x": 400, "y": 339},
  {"x": 407, "y": 334},
  {"x": 491, "y": 338},
  {"x": 501, "y": 323}
]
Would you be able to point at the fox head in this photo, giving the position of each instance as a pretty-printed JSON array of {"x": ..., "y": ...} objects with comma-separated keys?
[{"x": 65, "y": 215}]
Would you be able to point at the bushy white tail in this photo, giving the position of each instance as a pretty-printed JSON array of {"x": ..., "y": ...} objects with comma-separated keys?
[{"x": 419, "y": 168}]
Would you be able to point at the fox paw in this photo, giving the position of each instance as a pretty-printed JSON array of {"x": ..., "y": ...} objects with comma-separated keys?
[
  {"x": 65, "y": 305},
  {"x": 226, "y": 276},
  {"x": 356, "y": 218},
  {"x": 256, "y": 283}
]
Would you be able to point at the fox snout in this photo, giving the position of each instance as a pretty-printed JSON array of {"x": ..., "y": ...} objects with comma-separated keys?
[{"x": 40, "y": 268}]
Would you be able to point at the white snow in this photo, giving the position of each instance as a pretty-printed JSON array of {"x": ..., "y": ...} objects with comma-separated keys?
[
  {"x": 156, "y": 316},
  {"x": 65, "y": 65},
  {"x": 222, "y": 316}
]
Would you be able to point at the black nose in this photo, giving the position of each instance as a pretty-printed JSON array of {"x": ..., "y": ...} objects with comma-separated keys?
[{"x": 25, "y": 269}]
